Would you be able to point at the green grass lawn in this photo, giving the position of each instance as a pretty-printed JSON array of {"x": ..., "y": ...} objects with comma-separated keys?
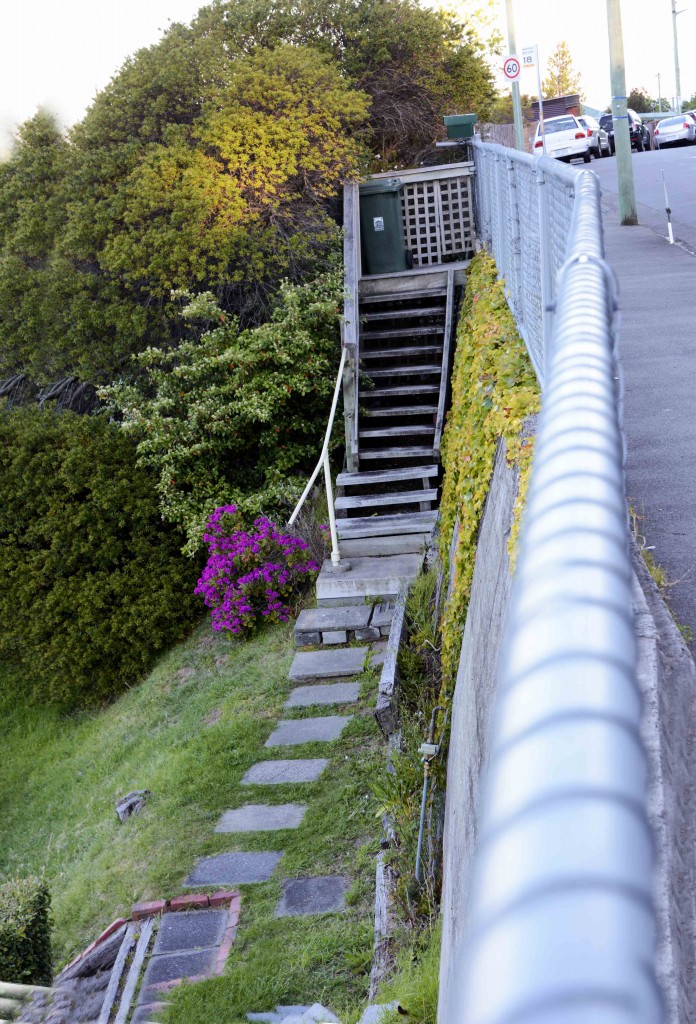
[{"x": 188, "y": 733}]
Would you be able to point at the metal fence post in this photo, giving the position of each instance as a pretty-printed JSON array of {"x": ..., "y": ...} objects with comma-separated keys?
[
  {"x": 545, "y": 256},
  {"x": 515, "y": 273}
]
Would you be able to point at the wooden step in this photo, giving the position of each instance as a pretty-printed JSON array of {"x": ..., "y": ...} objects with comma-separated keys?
[
  {"x": 401, "y": 353},
  {"x": 426, "y": 293},
  {"x": 401, "y": 410},
  {"x": 414, "y": 452},
  {"x": 400, "y": 431},
  {"x": 406, "y": 371},
  {"x": 375, "y": 500},
  {"x": 386, "y": 476},
  {"x": 382, "y": 526},
  {"x": 394, "y": 313},
  {"x": 414, "y": 389},
  {"x": 401, "y": 332}
]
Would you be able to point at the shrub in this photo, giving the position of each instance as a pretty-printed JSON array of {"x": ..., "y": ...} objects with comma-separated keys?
[
  {"x": 25, "y": 932},
  {"x": 93, "y": 584},
  {"x": 251, "y": 577}
]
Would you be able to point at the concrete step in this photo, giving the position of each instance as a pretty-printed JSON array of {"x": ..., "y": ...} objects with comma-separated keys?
[
  {"x": 368, "y": 577},
  {"x": 401, "y": 353},
  {"x": 376, "y": 500},
  {"x": 392, "y": 544},
  {"x": 331, "y": 626},
  {"x": 376, "y": 526},
  {"x": 346, "y": 661},
  {"x": 386, "y": 476}
]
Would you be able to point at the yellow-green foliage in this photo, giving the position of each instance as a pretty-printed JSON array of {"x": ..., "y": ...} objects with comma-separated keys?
[{"x": 493, "y": 390}]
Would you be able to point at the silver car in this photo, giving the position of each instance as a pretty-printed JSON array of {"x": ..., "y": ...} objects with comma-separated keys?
[
  {"x": 599, "y": 139},
  {"x": 671, "y": 130}
]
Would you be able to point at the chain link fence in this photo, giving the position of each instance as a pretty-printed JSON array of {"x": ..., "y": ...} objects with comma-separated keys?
[{"x": 560, "y": 923}]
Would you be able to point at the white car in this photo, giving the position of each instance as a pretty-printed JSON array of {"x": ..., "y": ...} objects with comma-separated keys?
[
  {"x": 681, "y": 128},
  {"x": 599, "y": 139},
  {"x": 565, "y": 139}
]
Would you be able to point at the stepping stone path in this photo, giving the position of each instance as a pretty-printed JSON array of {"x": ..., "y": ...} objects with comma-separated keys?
[{"x": 193, "y": 945}]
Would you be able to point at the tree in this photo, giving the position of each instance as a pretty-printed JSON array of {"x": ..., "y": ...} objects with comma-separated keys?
[
  {"x": 561, "y": 78},
  {"x": 501, "y": 110},
  {"x": 640, "y": 101},
  {"x": 689, "y": 104}
]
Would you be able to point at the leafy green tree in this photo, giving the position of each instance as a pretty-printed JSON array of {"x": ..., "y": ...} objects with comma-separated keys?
[
  {"x": 640, "y": 101},
  {"x": 561, "y": 77},
  {"x": 501, "y": 110},
  {"x": 236, "y": 416},
  {"x": 689, "y": 104}
]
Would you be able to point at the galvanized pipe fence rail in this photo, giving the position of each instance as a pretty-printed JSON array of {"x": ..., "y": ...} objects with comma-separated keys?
[{"x": 560, "y": 925}]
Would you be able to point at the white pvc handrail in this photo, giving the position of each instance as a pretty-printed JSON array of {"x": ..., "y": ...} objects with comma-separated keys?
[{"x": 324, "y": 461}]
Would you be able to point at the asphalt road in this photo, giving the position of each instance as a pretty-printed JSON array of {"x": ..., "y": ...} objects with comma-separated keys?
[{"x": 657, "y": 284}]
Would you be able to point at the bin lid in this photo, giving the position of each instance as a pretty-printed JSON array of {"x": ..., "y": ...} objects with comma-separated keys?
[
  {"x": 455, "y": 119},
  {"x": 380, "y": 185}
]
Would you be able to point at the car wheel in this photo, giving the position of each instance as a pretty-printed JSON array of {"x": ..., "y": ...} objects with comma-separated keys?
[
  {"x": 639, "y": 144},
  {"x": 587, "y": 156},
  {"x": 607, "y": 150}
]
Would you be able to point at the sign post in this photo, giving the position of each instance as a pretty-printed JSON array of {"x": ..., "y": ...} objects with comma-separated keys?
[
  {"x": 516, "y": 101},
  {"x": 530, "y": 59}
]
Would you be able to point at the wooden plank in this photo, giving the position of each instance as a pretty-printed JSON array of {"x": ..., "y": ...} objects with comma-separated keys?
[
  {"x": 117, "y": 973},
  {"x": 406, "y": 430},
  {"x": 387, "y": 709},
  {"x": 386, "y": 476},
  {"x": 401, "y": 296},
  {"x": 435, "y": 173},
  {"x": 375, "y": 500},
  {"x": 134, "y": 970},
  {"x": 444, "y": 379},
  {"x": 413, "y": 452},
  {"x": 405, "y": 332},
  {"x": 400, "y": 410},
  {"x": 403, "y": 353},
  {"x": 406, "y": 371},
  {"x": 393, "y": 314},
  {"x": 414, "y": 389},
  {"x": 381, "y": 526}
]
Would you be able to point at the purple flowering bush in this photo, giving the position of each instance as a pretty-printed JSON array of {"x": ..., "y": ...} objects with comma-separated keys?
[{"x": 251, "y": 576}]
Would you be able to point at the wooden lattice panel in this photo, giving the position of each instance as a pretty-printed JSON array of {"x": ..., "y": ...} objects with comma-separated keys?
[
  {"x": 456, "y": 216},
  {"x": 438, "y": 219},
  {"x": 420, "y": 204}
]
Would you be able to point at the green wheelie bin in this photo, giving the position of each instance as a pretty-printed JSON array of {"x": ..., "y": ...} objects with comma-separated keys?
[{"x": 381, "y": 227}]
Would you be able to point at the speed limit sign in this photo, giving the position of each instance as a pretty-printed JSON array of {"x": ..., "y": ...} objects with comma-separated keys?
[{"x": 511, "y": 68}]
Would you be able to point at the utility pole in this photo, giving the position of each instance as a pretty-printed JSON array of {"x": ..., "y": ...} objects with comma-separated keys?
[
  {"x": 622, "y": 139},
  {"x": 516, "y": 102},
  {"x": 659, "y": 93},
  {"x": 677, "y": 82}
]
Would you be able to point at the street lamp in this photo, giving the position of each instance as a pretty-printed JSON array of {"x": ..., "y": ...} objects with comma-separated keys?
[{"x": 677, "y": 82}]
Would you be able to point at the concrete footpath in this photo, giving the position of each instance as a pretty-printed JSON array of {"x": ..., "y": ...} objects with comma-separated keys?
[{"x": 657, "y": 284}]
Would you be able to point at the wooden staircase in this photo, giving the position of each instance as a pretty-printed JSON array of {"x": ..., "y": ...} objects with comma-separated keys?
[{"x": 389, "y": 506}]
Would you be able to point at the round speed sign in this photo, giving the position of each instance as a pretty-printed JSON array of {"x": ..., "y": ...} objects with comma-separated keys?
[{"x": 511, "y": 68}]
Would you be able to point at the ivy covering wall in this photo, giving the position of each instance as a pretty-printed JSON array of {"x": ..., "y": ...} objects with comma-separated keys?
[{"x": 494, "y": 389}]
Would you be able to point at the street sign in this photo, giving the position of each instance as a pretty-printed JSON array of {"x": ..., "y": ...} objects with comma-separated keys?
[
  {"x": 512, "y": 68},
  {"x": 529, "y": 56}
]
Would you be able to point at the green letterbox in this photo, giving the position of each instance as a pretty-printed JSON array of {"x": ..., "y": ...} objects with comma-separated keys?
[
  {"x": 460, "y": 126},
  {"x": 382, "y": 227}
]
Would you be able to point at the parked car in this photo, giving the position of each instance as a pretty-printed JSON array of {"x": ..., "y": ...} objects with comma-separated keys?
[
  {"x": 600, "y": 145},
  {"x": 639, "y": 133},
  {"x": 565, "y": 139},
  {"x": 671, "y": 130}
]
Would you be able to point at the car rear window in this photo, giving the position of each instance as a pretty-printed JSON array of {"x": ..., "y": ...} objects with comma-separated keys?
[
  {"x": 672, "y": 120},
  {"x": 561, "y": 125},
  {"x": 606, "y": 121}
]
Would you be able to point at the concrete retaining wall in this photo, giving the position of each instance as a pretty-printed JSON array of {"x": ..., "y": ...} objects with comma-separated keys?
[{"x": 667, "y": 678}]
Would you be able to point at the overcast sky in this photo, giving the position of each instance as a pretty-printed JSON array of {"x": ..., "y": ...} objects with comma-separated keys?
[{"x": 60, "y": 53}]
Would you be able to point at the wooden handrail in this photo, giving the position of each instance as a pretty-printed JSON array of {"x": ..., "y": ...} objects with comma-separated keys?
[{"x": 446, "y": 352}]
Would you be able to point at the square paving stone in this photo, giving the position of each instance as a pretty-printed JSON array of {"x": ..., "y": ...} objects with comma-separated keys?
[
  {"x": 329, "y": 693},
  {"x": 195, "y": 929},
  {"x": 277, "y": 773},
  {"x": 261, "y": 818},
  {"x": 334, "y": 636},
  {"x": 383, "y": 614},
  {"x": 346, "y": 661},
  {"x": 234, "y": 869},
  {"x": 350, "y": 617},
  {"x": 173, "y": 966},
  {"x": 292, "y": 732},
  {"x": 304, "y": 896}
]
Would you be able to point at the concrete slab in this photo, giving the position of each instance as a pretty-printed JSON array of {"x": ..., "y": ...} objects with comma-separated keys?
[
  {"x": 292, "y": 732},
  {"x": 196, "y": 929},
  {"x": 335, "y": 636},
  {"x": 368, "y": 577},
  {"x": 383, "y": 614},
  {"x": 349, "y": 661},
  {"x": 174, "y": 966},
  {"x": 278, "y": 773},
  {"x": 234, "y": 869},
  {"x": 321, "y": 619},
  {"x": 368, "y": 633},
  {"x": 304, "y": 896},
  {"x": 329, "y": 693},
  {"x": 262, "y": 818}
]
